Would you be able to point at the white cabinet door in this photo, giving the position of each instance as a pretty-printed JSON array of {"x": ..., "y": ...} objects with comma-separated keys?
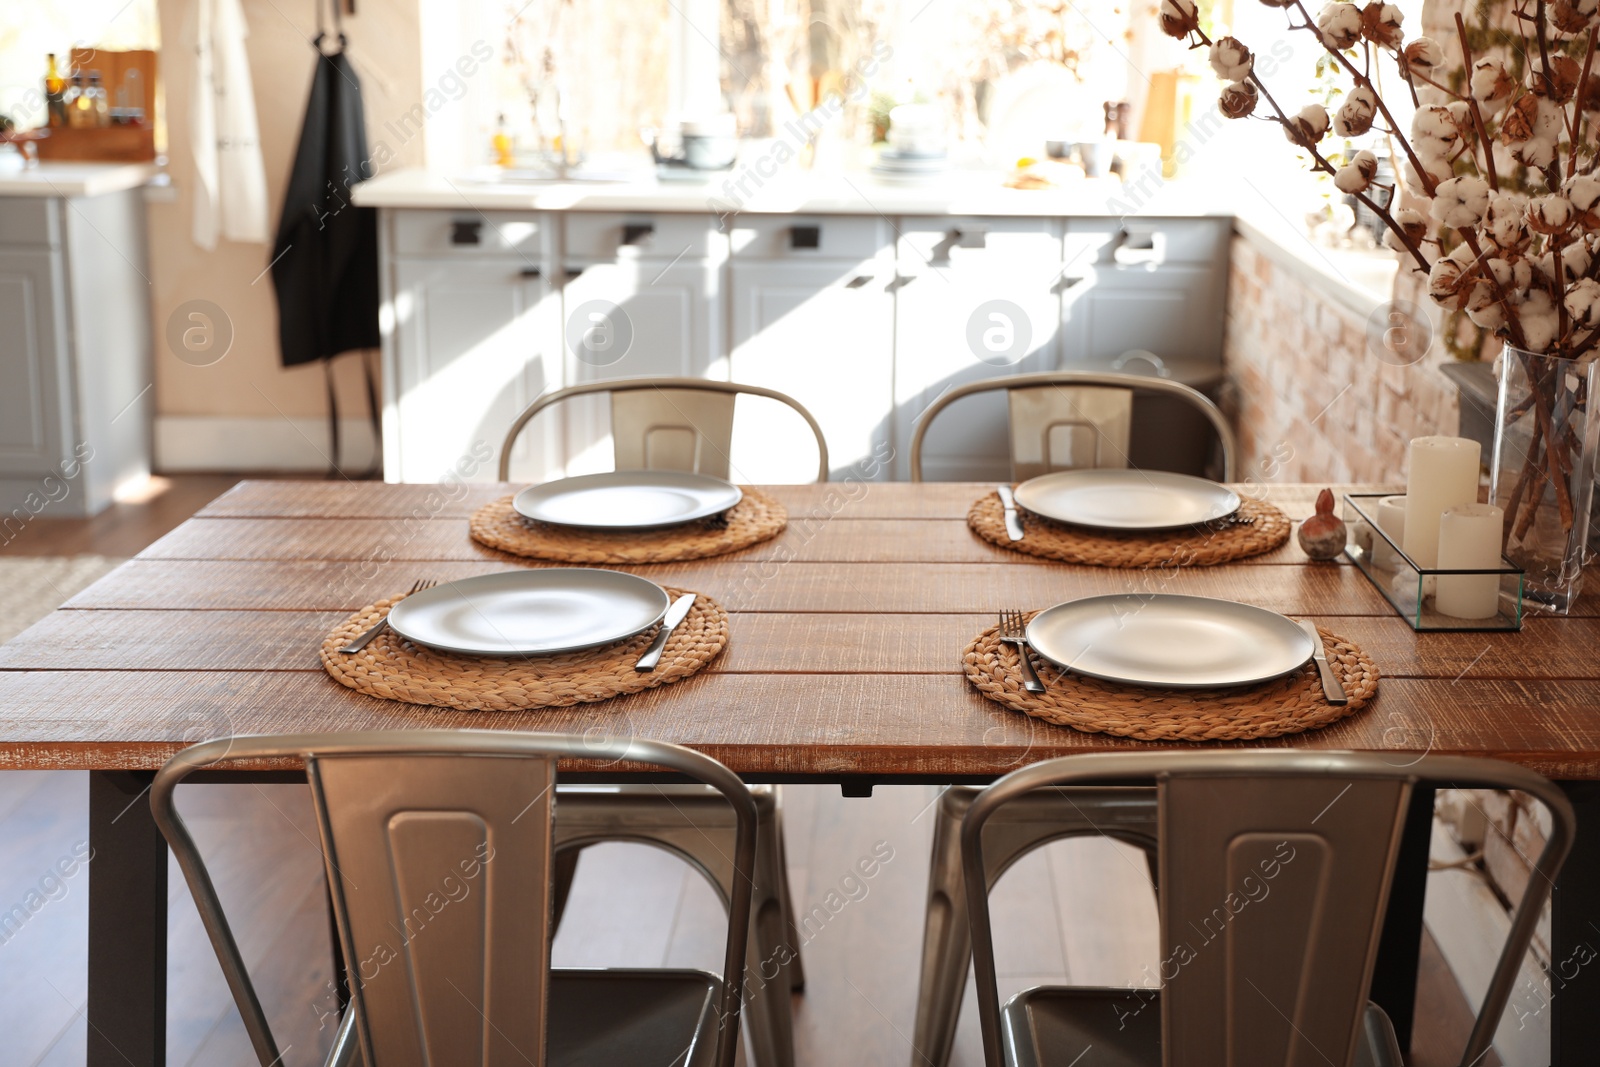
[
  {"x": 822, "y": 332},
  {"x": 476, "y": 341},
  {"x": 34, "y": 413},
  {"x": 1177, "y": 312},
  {"x": 975, "y": 299},
  {"x": 630, "y": 318}
]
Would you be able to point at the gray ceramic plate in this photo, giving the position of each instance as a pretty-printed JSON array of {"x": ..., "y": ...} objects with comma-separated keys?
[
  {"x": 1168, "y": 640},
  {"x": 627, "y": 500},
  {"x": 530, "y": 612},
  {"x": 1126, "y": 499}
]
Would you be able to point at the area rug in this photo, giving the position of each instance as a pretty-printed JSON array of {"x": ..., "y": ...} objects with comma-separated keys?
[{"x": 31, "y": 587}]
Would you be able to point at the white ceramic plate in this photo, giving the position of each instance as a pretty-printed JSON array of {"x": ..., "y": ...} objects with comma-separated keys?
[
  {"x": 627, "y": 500},
  {"x": 530, "y": 612},
  {"x": 1169, "y": 641},
  {"x": 1126, "y": 499}
]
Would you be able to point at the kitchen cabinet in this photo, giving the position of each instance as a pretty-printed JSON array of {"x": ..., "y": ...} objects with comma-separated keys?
[
  {"x": 75, "y": 375},
  {"x": 862, "y": 318},
  {"x": 974, "y": 298},
  {"x": 813, "y": 316},
  {"x": 471, "y": 336}
]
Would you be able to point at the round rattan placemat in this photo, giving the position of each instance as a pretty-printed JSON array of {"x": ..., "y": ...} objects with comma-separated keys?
[
  {"x": 1189, "y": 547},
  {"x": 1288, "y": 705},
  {"x": 395, "y": 669},
  {"x": 756, "y": 518}
]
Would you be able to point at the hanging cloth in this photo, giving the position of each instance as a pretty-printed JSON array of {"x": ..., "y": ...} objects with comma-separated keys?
[
  {"x": 230, "y": 189},
  {"x": 325, "y": 260}
]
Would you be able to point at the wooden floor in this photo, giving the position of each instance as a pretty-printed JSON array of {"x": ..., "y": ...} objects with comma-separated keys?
[{"x": 1079, "y": 912}]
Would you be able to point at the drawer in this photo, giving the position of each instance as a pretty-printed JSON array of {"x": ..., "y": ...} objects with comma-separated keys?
[
  {"x": 1145, "y": 243},
  {"x": 28, "y": 220},
  {"x": 940, "y": 240},
  {"x": 469, "y": 232},
  {"x": 850, "y": 237},
  {"x": 602, "y": 237}
]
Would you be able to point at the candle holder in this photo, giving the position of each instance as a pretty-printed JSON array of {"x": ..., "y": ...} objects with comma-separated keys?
[{"x": 1409, "y": 588}]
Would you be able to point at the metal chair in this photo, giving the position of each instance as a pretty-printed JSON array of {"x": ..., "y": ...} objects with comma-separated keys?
[
  {"x": 1064, "y": 420},
  {"x": 438, "y": 851},
  {"x": 679, "y": 424},
  {"x": 687, "y": 424},
  {"x": 1275, "y": 873}
]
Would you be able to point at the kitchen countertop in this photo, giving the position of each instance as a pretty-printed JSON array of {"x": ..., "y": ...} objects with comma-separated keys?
[
  {"x": 960, "y": 193},
  {"x": 76, "y": 179}
]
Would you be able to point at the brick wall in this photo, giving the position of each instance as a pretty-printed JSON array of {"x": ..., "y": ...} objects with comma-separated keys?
[{"x": 1312, "y": 401}]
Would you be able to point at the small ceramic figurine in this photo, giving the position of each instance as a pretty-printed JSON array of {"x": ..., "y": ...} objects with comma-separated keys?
[{"x": 1323, "y": 534}]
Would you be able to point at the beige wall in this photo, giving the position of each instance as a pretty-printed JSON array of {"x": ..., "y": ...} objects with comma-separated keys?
[{"x": 386, "y": 48}]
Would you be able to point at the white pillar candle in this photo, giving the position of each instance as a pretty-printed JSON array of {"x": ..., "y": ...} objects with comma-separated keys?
[
  {"x": 1441, "y": 473},
  {"x": 1391, "y": 520},
  {"x": 1469, "y": 539}
]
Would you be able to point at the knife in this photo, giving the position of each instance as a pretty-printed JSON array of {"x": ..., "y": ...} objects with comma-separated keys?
[
  {"x": 675, "y": 615},
  {"x": 1013, "y": 520},
  {"x": 1332, "y": 688}
]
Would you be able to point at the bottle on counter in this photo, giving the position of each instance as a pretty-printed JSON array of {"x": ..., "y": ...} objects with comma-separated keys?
[
  {"x": 55, "y": 89},
  {"x": 99, "y": 104},
  {"x": 80, "y": 109},
  {"x": 503, "y": 154}
]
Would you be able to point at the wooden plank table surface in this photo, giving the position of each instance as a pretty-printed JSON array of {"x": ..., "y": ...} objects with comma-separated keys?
[{"x": 843, "y": 660}]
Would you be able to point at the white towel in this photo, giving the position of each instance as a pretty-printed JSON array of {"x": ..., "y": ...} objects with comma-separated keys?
[{"x": 230, "y": 189}]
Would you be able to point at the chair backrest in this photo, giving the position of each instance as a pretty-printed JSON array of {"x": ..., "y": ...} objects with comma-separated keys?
[
  {"x": 679, "y": 424},
  {"x": 1064, "y": 420},
  {"x": 437, "y": 846},
  {"x": 1275, "y": 870}
]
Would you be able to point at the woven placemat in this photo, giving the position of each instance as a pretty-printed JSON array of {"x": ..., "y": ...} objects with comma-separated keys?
[
  {"x": 395, "y": 669},
  {"x": 1288, "y": 705},
  {"x": 1195, "y": 546},
  {"x": 755, "y": 518}
]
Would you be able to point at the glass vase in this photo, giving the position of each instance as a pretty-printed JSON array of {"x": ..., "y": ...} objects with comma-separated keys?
[{"x": 1543, "y": 472}]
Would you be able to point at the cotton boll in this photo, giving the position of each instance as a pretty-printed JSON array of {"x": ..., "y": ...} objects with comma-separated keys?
[
  {"x": 1492, "y": 85},
  {"x": 1179, "y": 18},
  {"x": 1231, "y": 59},
  {"x": 1537, "y": 314},
  {"x": 1583, "y": 303},
  {"x": 1309, "y": 126},
  {"x": 1424, "y": 56},
  {"x": 1434, "y": 132},
  {"x": 1415, "y": 226},
  {"x": 1460, "y": 202},
  {"x": 1552, "y": 214},
  {"x": 1238, "y": 99},
  {"x": 1504, "y": 223},
  {"x": 1490, "y": 318},
  {"x": 1356, "y": 176},
  {"x": 1340, "y": 24},
  {"x": 1583, "y": 191},
  {"x": 1380, "y": 24},
  {"x": 1355, "y": 115},
  {"x": 1447, "y": 285}
]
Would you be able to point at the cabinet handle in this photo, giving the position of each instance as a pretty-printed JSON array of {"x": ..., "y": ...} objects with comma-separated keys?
[
  {"x": 805, "y": 237},
  {"x": 466, "y": 232},
  {"x": 859, "y": 281},
  {"x": 573, "y": 272},
  {"x": 531, "y": 272},
  {"x": 969, "y": 238},
  {"x": 1067, "y": 282},
  {"x": 635, "y": 232}
]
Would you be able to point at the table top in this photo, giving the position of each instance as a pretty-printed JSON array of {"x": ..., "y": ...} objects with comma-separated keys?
[{"x": 844, "y": 655}]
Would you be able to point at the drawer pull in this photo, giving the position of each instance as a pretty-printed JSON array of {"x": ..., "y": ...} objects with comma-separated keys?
[
  {"x": 531, "y": 272},
  {"x": 969, "y": 238},
  {"x": 573, "y": 272},
  {"x": 466, "y": 232},
  {"x": 859, "y": 281},
  {"x": 635, "y": 232},
  {"x": 805, "y": 237}
]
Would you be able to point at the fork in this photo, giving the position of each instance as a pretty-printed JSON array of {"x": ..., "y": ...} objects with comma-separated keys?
[
  {"x": 365, "y": 639},
  {"x": 1230, "y": 521},
  {"x": 1013, "y": 631}
]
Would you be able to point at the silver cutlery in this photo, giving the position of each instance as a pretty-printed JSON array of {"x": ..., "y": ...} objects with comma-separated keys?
[
  {"x": 1332, "y": 688},
  {"x": 1013, "y": 519},
  {"x": 1230, "y": 521},
  {"x": 372, "y": 631},
  {"x": 1013, "y": 631},
  {"x": 675, "y": 614}
]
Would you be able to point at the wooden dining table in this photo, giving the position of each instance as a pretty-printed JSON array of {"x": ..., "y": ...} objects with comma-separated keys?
[{"x": 843, "y": 666}]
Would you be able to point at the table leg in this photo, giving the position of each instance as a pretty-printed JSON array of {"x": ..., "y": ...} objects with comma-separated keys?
[
  {"x": 1575, "y": 938},
  {"x": 1394, "y": 979},
  {"x": 127, "y": 1010}
]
